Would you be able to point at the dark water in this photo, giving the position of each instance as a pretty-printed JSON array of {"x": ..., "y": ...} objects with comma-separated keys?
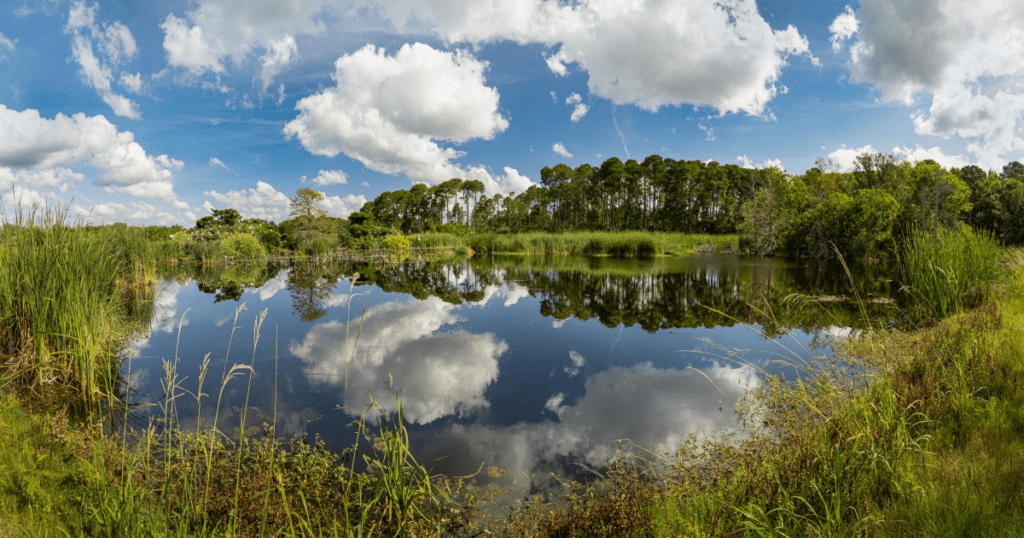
[{"x": 530, "y": 364}]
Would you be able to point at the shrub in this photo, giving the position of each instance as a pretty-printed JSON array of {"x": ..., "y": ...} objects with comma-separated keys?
[
  {"x": 395, "y": 242},
  {"x": 242, "y": 246}
]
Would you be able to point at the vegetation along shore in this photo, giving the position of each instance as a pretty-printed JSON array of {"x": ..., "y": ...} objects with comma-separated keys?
[{"x": 900, "y": 432}]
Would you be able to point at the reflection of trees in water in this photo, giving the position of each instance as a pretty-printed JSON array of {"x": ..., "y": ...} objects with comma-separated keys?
[
  {"x": 310, "y": 284},
  {"x": 707, "y": 291},
  {"x": 227, "y": 281}
]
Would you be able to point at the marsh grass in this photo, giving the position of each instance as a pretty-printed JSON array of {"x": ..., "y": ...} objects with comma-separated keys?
[
  {"x": 944, "y": 272},
  {"x": 615, "y": 244},
  {"x": 68, "y": 297}
]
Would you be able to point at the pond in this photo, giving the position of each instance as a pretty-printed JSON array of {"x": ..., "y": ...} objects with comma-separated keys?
[{"x": 533, "y": 365}]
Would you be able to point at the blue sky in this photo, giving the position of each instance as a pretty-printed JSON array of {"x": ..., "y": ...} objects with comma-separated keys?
[{"x": 154, "y": 112}]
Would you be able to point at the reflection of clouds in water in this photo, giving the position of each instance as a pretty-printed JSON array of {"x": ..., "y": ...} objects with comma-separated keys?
[
  {"x": 272, "y": 286},
  {"x": 437, "y": 373},
  {"x": 515, "y": 292},
  {"x": 577, "y": 362},
  {"x": 558, "y": 323},
  {"x": 642, "y": 405},
  {"x": 511, "y": 291},
  {"x": 165, "y": 318}
]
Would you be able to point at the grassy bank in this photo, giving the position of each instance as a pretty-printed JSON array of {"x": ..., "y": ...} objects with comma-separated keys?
[{"x": 616, "y": 244}]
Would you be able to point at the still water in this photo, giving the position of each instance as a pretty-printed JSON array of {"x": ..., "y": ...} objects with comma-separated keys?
[{"x": 533, "y": 365}]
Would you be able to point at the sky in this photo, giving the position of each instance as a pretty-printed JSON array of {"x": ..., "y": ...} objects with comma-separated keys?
[{"x": 155, "y": 112}]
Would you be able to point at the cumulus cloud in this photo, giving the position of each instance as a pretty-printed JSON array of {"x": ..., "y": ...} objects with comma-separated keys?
[
  {"x": 580, "y": 110},
  {"x": 648, "y": 53},
  {"x": 343, "y": 206},
  {"x": 392, "y": 112},
  {"x": 39, "y": 149},
  {"x": 963, "y": 55},
  {"x": 438, "y": 373},
  {"x": 746, "y": 162},
  {"x": 843, "y": 28},
  {"x": 264, "y": 202},
  {"x": 217, "y": 162},
  {"x": 212, "y": 31},
  {"x": 330, "y": 177},
  {"x": 935, "y": 153},
  {"x": 116, "y": 45},
  {"x": 845, "y": 159},
  {"x": 560, "y": 149},
  {"x": 132, "y": 83}
]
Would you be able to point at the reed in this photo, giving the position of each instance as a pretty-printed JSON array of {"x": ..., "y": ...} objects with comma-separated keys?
[
  {"x": 67, "y": 294},
  {"x": 945, "y": 272},
  {"x": 615, "y": 244}
]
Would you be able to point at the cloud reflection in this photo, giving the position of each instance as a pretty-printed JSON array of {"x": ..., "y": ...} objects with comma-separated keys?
[
  {"x": 437, "y": 373},
  {"x": 640, "y": 406}
]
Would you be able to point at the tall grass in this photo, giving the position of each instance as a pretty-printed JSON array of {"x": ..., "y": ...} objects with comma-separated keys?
[
  {"x": 65, "y": 294},
  {"x": 616, "y": 244},
  {"x": 942, "y": 273}
]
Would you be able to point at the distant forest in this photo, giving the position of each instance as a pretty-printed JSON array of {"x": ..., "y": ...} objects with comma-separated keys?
[{"x": 862, "y": 213}]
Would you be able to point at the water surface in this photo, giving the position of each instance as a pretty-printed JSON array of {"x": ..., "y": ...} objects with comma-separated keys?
[{"x": 530, "y": 364}]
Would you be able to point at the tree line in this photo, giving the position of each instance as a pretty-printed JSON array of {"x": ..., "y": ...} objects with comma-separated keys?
[
  {"x": 654, "y": 195},
  {"x": 861, "y": 214}
]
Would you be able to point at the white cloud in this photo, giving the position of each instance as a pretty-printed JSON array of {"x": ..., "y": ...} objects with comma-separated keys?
[
  {"x": 186, "y": 47},
  {"x": 964, "y": 55},
  {"x": 5, "y": 43},
  {"x": 55, "y": 178},
  {"x": 214, "y": 30},
  {"x": 132, "y": 83},
  {"x": 343, "y": 206},
  {"x": 116, "y": 43},
  {"x": 745, "y": 162},
  {"x": 935, "y": 153},
  {"x": 438, "y": 373},
  {"x": 30, "y": 143},
  {"x": 279, "y": 54},
  {"x": 845, "y": 159},
  {"x": 217, "y": 162},
  {"x": 263, "y": 202},
  {"x": 843, "y": 28},
  {"x": 391, "y": 112},
  {"x": 330, "y": 177},
  {"x": 560, "y": 149},
  {"x": 649, "y": 53},
  {"x": 578, "y": 112}
]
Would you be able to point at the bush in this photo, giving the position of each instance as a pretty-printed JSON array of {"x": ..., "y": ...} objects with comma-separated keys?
[
  {"x": 395, "y": 242},
  {"x": 242, "y": 246}
]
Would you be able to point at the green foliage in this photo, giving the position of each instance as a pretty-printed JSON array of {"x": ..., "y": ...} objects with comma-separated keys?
[
  {"x": 859, "y": 228},
  {"x": 395, "y": 242},
  {"x": 945, "y": 272},
  {"x": 243, "y": 246},
  {"x": 64, "y": 290}
]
